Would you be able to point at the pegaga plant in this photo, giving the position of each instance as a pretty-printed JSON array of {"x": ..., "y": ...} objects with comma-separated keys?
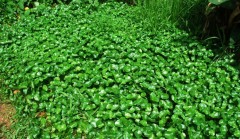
[
  {"x": 73, "y": 72},
  {"x": 10, "y": 10},
  {"x": 224, "y": 16}
]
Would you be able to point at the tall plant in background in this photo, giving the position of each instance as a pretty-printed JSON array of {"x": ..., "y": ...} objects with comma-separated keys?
[
  {"x": 185, "y": 13},
  {"x": 223, "y": 21},
  {"x": 156, "y": 12}
]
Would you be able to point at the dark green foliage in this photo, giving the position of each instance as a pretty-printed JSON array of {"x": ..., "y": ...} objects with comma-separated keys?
[
  {"x": 96, "y": 73},
  {"x": 9, "y": 10},
  {"x": 223, "y": 21}
]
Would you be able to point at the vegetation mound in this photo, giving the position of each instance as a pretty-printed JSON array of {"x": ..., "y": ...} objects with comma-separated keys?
[{"x": 83, "y": 71}]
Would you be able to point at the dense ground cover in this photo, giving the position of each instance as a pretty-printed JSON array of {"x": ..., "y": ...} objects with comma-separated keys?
[{"x": 83, "y": 71}]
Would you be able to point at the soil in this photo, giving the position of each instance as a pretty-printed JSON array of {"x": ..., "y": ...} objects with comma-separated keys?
[{"x": 6, "y": 113}]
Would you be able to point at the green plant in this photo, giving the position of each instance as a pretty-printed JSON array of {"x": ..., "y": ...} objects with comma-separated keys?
[
  {"x": 181, "y": 12},
  {"x": 10, "y": 11},
  {"x": 83, "y": 73}
]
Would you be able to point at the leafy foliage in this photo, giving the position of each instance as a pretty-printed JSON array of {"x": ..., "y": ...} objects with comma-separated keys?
[
  {"x": 81, "y": 71},
  {"x": 10, "y": 10}
]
